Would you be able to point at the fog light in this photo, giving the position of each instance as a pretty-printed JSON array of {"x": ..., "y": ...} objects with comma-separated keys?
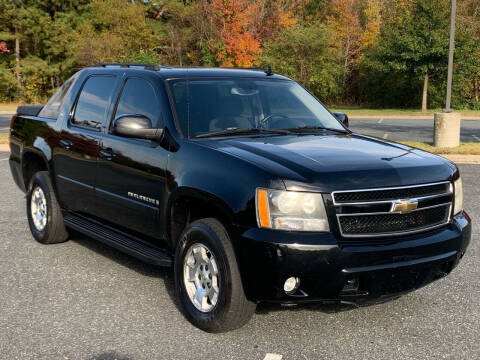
[
  {"x": 351, "y": 285},
  {"x": 291, "y": 284}
]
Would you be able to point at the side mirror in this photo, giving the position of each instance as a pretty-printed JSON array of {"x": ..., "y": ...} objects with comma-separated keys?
[
  {"x": 342, "y": 117},
  {"x": 136, "y": 126}
]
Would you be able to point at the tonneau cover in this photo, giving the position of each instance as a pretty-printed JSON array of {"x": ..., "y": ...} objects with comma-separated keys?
[{"x": 31, "y": 110}]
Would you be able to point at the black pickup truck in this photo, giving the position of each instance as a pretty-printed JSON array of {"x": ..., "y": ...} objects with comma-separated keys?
[{"x": 240, "y": 180}]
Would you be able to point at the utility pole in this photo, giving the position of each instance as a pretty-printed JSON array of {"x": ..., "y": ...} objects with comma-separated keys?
[
  {"x": 448, "y": 105},
  {"x": 447, "y": 123}
]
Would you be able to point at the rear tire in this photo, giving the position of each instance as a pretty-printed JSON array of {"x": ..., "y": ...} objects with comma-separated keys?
[
  {"x": 43, "y": 211},
  {"x": 229, "y": 308}
]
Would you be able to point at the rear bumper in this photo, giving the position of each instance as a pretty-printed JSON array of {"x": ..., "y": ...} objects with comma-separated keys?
[{"x": 268, "y": 258}]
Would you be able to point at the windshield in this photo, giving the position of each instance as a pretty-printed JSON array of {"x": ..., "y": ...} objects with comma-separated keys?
[{"x": 212, "y": 105}]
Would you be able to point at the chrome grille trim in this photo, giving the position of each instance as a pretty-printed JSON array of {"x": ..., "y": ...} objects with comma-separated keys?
[
  {"x": 390, "y": 212},
  {"x": 419, "y": 198},
  {"x": 449, "y": 192}
]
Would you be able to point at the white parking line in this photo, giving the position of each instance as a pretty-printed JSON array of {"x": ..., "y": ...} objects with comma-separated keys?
[
  {"x": 476, "y": 137},
  {"x": 380, "y": 121},
  {"x": 385, "y": 136},
  {"x": 4, "y": 159},
  {"x": 4, "y": 129},
  {"x": 273, "y": 357}
]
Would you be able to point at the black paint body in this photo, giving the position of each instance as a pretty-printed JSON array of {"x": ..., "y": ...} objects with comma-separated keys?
[{"x": 93, "y": 172}]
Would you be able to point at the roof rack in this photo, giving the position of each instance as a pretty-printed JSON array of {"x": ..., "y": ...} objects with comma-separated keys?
[
  {"x": 131, "y": 65},
  {"x": 268, "y": 70}
]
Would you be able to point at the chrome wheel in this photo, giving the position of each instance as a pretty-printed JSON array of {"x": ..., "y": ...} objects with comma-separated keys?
[
  {"x": 38, "y": 208},
  {"x": 200, "y": 276}
]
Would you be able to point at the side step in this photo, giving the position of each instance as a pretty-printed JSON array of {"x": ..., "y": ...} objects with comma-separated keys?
[{"x": 131, "y": 245}]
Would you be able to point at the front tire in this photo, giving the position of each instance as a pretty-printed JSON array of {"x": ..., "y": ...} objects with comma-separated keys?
[
  {"x": 207, "y": 279},
  {"x": 43, "y": 211}
]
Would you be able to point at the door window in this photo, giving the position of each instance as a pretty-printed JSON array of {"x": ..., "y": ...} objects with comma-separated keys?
[
  {"x": 139, "y": 98},
  {"x": 94, "y": 101}
]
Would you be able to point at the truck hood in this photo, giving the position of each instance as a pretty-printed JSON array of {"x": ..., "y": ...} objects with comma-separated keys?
[{"x": 337, "y": 162}]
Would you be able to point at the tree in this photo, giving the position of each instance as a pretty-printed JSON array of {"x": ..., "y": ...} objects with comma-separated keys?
[
  {"x": 305, "y": 53},
  {"x": 344, "y": 21},
  {"x": 416, "y": 43},
  {"x": 466, "y": 86},
  {"x": 371, "y": 18},
  {"x": 380, "y": 52},
  {"x": 235, "y": 45}
]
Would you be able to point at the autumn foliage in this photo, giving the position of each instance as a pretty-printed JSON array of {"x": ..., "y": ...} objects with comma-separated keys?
[
  {"x": 242, "y": 26},
  {"x": 375, "y": 52},
  {"x": 3, "y": 47},
  {"x": 237, "y": 46}
]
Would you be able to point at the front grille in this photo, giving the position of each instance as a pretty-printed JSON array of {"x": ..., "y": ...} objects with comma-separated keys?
[
  {"x": 372, "y": 213},
  {"x": 394, "y": 223},
  {"x": 390, "y": 194}
]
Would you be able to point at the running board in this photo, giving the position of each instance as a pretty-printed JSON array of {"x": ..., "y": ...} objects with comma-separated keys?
[{"x": 129, "y": 244}]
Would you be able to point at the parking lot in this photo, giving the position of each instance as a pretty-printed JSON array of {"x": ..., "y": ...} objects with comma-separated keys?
[
  {"x": 83, "y": 300},
  {"x": 410, "y": 129}
]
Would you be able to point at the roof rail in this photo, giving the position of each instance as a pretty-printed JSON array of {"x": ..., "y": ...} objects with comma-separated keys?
[
  {"x": 267, "y": 70},
  {"x": 130, "y": 65}
]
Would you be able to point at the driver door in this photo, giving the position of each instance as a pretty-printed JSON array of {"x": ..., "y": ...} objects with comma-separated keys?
[{"x": 131, "y": 183}]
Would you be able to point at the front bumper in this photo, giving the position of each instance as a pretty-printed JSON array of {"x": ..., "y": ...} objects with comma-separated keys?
[{"x": 268, "y": 257}]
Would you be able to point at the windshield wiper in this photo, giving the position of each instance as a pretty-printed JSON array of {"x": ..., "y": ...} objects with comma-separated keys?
[
  {"x": 310, "y": 128},
  {"x": 242, "y": 131}
]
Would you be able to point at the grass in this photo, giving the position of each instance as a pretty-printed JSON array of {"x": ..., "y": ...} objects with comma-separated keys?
[
  {"x": 3, "y": 138},
  {"x": 9, "y": 107},
  {"x": 468, "y": 148},
  {"x": 355, "y": 111}
]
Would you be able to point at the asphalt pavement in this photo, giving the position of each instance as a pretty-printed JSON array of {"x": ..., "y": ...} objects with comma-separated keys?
[
  {"x": 391, "y": 129},
  {"x": 410, "y": 129},
  {"x": 84, "y": 300},
  {"x": 4, "y": 122}
]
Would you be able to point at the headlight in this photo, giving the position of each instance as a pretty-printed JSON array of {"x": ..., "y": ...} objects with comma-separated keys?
[
  {"x": 291, "y": 210},
  {"x": 458, "y": 188}
]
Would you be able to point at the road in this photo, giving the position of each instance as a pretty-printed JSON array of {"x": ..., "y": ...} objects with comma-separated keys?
[
  {"x": 392, "y": 129},
  {"x": 410, "y": 129},
  {"x": 4, "y": 122},
  {"x": 84, "y": 300}
]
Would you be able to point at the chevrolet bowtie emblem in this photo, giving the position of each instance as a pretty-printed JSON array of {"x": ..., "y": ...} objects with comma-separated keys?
[{"x": 404, "y": 206}]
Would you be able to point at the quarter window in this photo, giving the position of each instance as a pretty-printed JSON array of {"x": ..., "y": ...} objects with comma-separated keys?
[
  {"x": 138, "y": 97},
  {"x": 52, "y": 108},
  {"x": 94, "y": 100}
]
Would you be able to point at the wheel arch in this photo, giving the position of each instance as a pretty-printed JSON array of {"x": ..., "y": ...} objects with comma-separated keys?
[
  {"x": 189, "y": 204},
  {"x": 33, "y": 160}
]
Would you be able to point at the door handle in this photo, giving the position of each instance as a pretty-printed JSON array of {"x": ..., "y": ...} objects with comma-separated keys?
[
  {"x": 107, "y": 154},
  {"x": 66, "y": 144}
]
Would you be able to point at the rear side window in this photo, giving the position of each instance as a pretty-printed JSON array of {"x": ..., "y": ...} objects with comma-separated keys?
[
  {"x": 138, "y": 98},
  {"x": 94, "y": 101},
  {"x": 52, "y": 108}
]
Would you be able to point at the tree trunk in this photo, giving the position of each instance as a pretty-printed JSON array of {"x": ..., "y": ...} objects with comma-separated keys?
[
  {"x": 477, "y": 98},
  {"x": 17, "y": 65},
  {"x": 425, "y": 92}
]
